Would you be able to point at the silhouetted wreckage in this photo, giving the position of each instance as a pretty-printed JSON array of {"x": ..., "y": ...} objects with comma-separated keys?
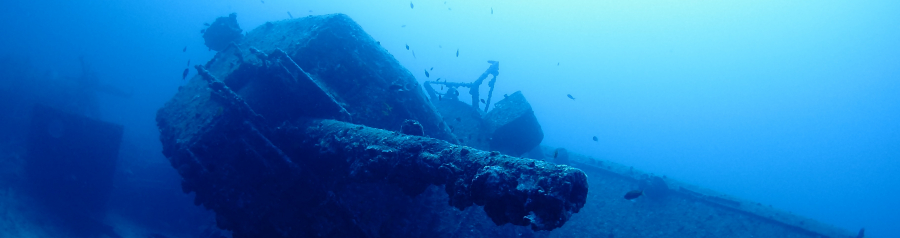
[
  {"x": 68, "y": 156},
  {"x": 70, "y": 164},
  {"x": 292, "y": 131}
]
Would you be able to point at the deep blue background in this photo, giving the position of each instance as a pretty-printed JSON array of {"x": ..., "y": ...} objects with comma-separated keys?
[{"x": 789, "y": 103}]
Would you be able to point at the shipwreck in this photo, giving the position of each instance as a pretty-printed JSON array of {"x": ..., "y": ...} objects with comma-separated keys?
[{"x": 307, "y": 127}]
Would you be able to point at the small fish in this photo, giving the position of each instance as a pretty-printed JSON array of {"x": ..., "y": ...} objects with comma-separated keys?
[
  {"x": 440, "y": 46},
  {"x": 432, "y": 69},
  {"x": 410, "y": 5},
  {"x": 407, "y": 46},
  {"x": 189, "y": 63},
  {"x": 184, "y": 75},
  {"x": 403, "y": 26},
  {"x": 378, "y": 42},
  {"x": 442, "y": 87},
  {"x": 202, "y": 31},
  {"x": 459, "y": 120},
  {"x": 556, "y": 153},
  {"x": 570, "y": 96},
  {"x": 262, "y": 1},
  {"x": 482, "y": 101},
  {"x": 505, "y": 95},
  {"x": 492, "y": 11},
  {"x": 595, "y": 138},
  {"x": 440, "y": 98},
  {"x": 557, "y": 63},
  {"x": 184, "y": 50},
  {"x": 633, "y": 194},
  {"x": 457, "y": 52},
  {"x": 414, "y": 54},
  {"x": 289, "y": 14},
  {"x": 310, "y": 10},
  {"x": 426, "y": 74},
  {"x": 206, "y": 24}
]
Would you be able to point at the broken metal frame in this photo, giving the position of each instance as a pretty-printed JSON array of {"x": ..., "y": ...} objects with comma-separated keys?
[{"x": 452, "y": 91}]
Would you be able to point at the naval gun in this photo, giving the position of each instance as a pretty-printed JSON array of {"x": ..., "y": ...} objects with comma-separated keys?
[{"x": 294, "y": 130}]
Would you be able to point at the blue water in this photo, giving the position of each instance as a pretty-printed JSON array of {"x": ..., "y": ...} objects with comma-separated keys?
[{"x": 790, "y": 103}]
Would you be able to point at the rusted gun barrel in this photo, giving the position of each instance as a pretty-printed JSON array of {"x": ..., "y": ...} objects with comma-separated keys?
[{"x": 523, "y": 192}]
